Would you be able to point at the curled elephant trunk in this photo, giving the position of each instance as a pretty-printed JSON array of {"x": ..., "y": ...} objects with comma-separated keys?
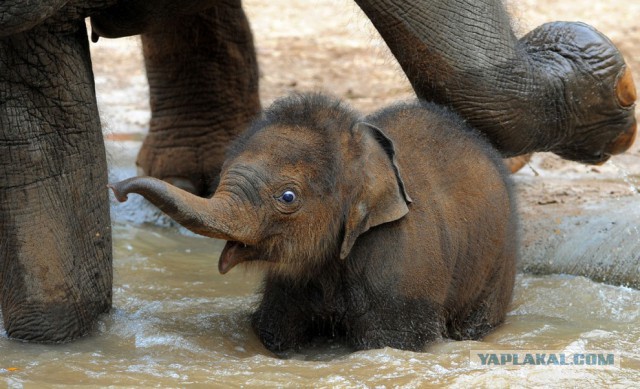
[{"x": 208, "y": 217}]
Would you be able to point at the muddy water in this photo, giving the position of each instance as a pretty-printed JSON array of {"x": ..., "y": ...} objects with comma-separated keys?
[{"x": 176, "y": 321}]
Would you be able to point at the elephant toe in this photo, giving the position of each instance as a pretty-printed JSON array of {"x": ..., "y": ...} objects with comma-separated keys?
[
  {"x": 51, "y": 323},
  {"x": 591, "y": 91},
  {"x": 623, "y": 142},
  {"x": 625, "y": 88}
]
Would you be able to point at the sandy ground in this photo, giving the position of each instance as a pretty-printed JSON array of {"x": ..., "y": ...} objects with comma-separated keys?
[{"x": 329, "y": 45}]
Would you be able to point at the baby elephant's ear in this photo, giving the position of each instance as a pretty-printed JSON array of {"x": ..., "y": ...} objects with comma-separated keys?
[{"x": 382, "y": 197}]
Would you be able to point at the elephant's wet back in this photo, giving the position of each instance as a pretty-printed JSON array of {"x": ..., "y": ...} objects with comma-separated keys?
[{"x": 176, "y": 320}]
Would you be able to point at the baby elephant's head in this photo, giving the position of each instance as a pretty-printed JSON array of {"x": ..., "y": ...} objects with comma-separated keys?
[{"x": 296, "y": 190}]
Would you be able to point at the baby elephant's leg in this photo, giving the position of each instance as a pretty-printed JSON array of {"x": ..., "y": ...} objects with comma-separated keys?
[
  {"x": 408, "y": 325},
  {"x": 487, "y": 314},
  {"x": 280, "y": 321}
]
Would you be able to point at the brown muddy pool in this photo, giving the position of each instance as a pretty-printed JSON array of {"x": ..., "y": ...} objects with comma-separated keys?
[{"x": 177, "y": 322}]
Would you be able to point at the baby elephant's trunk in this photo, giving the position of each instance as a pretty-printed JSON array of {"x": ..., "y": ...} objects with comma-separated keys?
[{"x": 208, "y": 217}]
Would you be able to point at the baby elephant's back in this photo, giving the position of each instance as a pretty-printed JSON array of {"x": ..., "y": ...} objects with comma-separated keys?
[{"x": 463, "y": 214}]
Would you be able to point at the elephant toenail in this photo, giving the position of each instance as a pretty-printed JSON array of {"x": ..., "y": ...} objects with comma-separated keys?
[
  {"x": 625, "y": 89},
  {"x": 624, "y": 141}
]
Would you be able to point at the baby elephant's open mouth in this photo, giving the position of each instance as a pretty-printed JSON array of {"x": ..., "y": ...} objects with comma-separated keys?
[{"x": 233, "y": 254}]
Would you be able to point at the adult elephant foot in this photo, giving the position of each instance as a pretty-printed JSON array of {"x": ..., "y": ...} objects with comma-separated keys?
[
  {"x": 563, "y": 88},
  {"x": 592, "y": 88},
  {"x": 55, "y": 237},
  {"x": 203, "y": 81}
]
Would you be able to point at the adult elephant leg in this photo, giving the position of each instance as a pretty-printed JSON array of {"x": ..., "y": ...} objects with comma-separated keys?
[
  {"x": 563, "y": 88},
  {"x": 55, "y": 238},
  {"x": 203, "y": 80}
]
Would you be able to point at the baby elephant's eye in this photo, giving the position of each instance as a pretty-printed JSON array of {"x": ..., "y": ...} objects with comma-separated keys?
[{"x": 288, "y": 197}]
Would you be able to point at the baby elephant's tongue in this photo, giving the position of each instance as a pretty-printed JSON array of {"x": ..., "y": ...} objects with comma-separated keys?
[{"x": 232, "y": 254}]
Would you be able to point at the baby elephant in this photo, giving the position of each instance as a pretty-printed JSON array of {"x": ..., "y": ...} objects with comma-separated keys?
[{"x": 396, "y": 229}]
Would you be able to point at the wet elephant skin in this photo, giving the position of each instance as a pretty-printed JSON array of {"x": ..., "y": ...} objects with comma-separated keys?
[
  {"x": 396, "y": 229},
  {"x": 55, "y": 240},
  {"x": 55, "y": 237}
]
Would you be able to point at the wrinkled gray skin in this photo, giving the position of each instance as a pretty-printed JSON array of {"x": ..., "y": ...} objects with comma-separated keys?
[
  {"x": 55, "y": 238},
  {"x": 543, "y": 92}
]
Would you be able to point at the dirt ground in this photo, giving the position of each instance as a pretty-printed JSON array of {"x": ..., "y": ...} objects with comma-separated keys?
[{"x": 329, "y": 45}]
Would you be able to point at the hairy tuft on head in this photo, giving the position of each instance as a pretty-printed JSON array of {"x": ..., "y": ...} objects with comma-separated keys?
[{"x": 313, "y": 111}]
